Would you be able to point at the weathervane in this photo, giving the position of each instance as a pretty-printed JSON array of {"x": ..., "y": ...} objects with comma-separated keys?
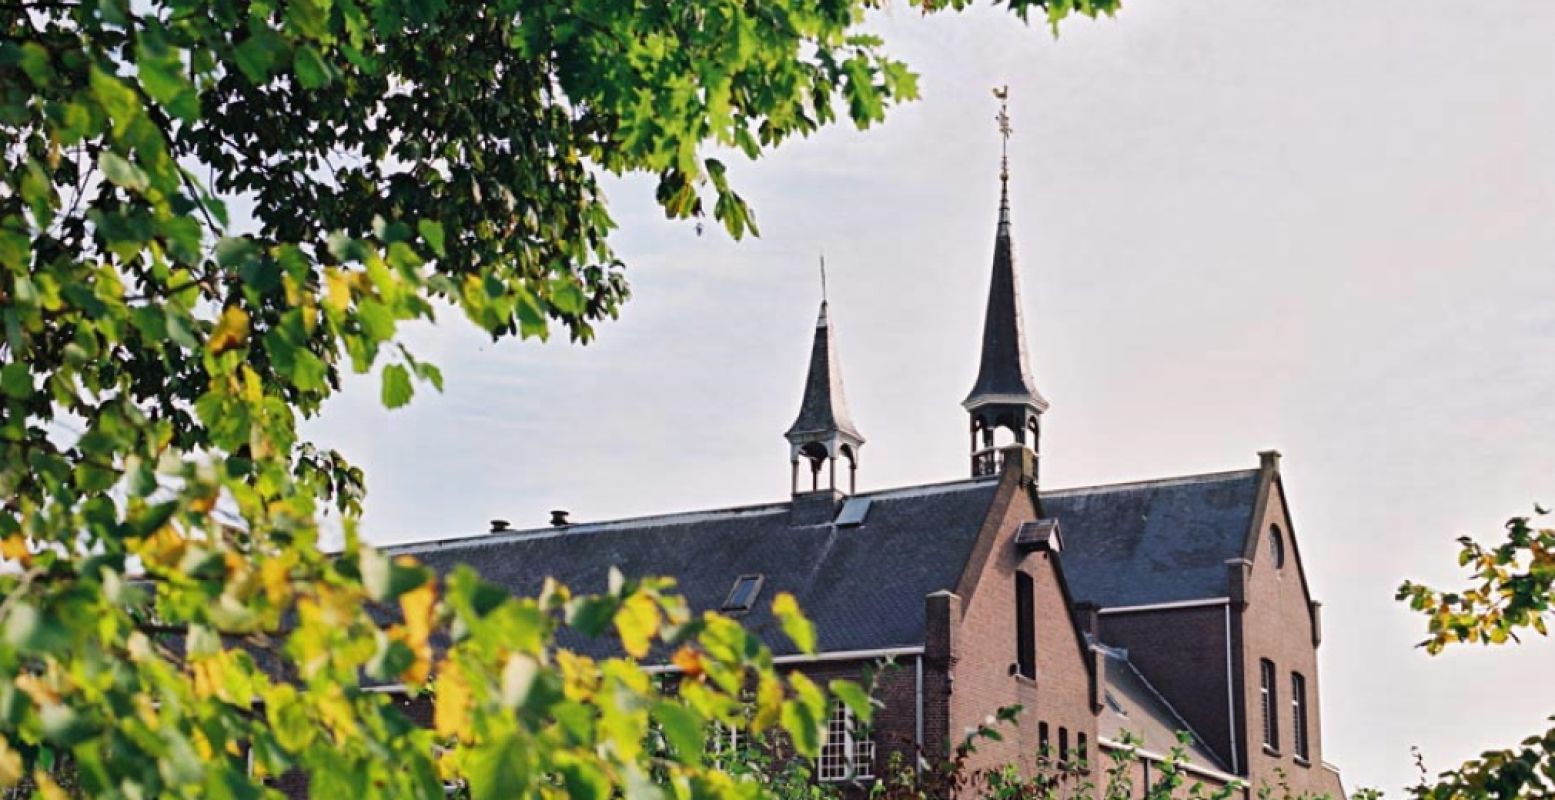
[{"x": 1003, "y": 118}]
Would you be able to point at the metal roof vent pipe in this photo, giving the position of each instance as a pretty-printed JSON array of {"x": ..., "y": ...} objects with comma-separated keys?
[
  {"x": 500, "y": 525},
  {"x": 559, "y": 518}
]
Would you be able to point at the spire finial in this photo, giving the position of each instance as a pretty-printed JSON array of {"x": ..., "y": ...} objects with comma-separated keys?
[
  {"x": 823, "y": 276},
  {"x": 1003, "y": 118}
]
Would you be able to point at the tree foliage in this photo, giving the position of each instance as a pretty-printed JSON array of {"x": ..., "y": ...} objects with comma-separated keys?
[
  {"x": 1511, "y": 589},
  {"x": 210, "y": 211}
]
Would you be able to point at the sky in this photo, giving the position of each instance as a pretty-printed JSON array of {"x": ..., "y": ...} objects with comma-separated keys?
[{"x": 1322, "y": 227}]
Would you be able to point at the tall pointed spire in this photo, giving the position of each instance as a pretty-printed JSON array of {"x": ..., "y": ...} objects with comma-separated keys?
[
  {"x": 1004, "y": 395},
  {"x": 824, "y": 430}
]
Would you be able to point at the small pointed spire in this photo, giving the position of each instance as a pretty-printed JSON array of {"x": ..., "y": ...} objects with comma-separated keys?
[
  {"x": 824, "y": 430},
  {"x": 1004, "y": 374}
]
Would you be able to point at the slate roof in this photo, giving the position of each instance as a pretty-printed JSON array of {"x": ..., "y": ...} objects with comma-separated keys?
[
  {"x": 1133, "y": 705},
  {"x": 1003, "y": 373},
  {"x": 863, "y": 586},
  {"x": 1155, "y": 541},
  {"x": 825, "y": 407}
]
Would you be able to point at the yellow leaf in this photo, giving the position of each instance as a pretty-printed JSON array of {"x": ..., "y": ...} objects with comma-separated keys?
[
  {"x": 14, "y": 548},
  {"x": 164, "y": 548},
  {"x": 451, "y": 713},
  {"x": 275, "y": 577},
  {"x": 231, "y": 331},
  {"x": 638, "y": 622},
  {"x": 418, "y": 605},
  {"x": 580, "y": 675},
  {"x": 47, "y": 788},
  {"x": 10, "y": 765},
  {"x": 338, "y": 290},
  {"x": 769, "y": 703}
]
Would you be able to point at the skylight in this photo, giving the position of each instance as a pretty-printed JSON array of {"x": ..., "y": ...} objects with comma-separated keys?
[
  {"x": 853, "y": 512},
  {"x": 743, "y": 596}
]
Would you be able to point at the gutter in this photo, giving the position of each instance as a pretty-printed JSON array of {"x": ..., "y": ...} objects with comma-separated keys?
[
  {"x": 1203, "y": 772},
  {"x": 1231, "y": 694},
  {"x": 1202, "y": 603}
]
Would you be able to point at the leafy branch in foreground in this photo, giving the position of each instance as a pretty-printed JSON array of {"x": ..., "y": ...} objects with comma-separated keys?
[
  {"x": 166, "y": 612},
  {"x": 1512, "y": 588}
]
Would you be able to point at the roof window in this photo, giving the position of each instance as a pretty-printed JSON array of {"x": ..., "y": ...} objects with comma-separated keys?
[
  {"x": 742, "y": 597},
  {"x": 853, "y": 512}
]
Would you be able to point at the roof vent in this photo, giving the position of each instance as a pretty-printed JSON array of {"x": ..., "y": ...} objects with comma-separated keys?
[
  {"x": 499, "y": 525},
  {"x": 854, "y": 509},
  {"x": 559, "y": 518}
]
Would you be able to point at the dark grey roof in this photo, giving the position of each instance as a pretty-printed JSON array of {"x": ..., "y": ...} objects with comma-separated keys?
[
  {"x": 824, "y": 409},
  {"x": 1155, "y": 541},
  {"x": 863, "y": 586},
  {"x": 1133, "y": 705},
  {"x": 1004, "y": 374}
]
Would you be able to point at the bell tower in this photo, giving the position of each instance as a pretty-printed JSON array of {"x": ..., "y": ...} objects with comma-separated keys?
[
  {"x": 824, "y": 432},
  {"x": 1005, "y": 396}
]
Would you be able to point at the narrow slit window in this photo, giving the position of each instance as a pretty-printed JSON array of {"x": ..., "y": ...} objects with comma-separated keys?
[
  {"x": 1025, "y": 627},
  {"x": 1083, "y": 746},
  {"x": 1063, "y": 745},
  {"x": 743, "y": 596},
  {"x": 1042, "y": 740}
]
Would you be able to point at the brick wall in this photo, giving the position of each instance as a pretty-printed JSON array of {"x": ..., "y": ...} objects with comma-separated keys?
[
  {"x": 1277, "y": 624},
  {"x": 1182, "y": 652},
  {"x": 985, "y": 647}
]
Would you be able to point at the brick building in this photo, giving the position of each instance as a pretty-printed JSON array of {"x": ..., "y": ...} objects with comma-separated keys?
[{"x": 1155, "y": 607}]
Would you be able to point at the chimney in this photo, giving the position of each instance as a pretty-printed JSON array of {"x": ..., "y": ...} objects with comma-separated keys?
[
  {"x": 559, "y": 518},
  {"x": 499, "y": 525},
  {"x": 1269, "y": 460},
  {"x": 815, "y": 508}
]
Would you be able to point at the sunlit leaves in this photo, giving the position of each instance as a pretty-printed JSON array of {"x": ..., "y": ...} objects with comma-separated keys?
[
  {"x": 1513, "y": 589},
  {"x": 172, "y": 621},
  {"x": 798, "y": 629}
]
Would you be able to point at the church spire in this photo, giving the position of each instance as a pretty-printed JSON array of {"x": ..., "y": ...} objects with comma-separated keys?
[
  {"x": 1005, "y": 395},
  {"x": 824, "y": 431}
]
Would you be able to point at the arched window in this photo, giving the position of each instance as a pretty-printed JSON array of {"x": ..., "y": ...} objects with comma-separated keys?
[{"x": 1276, "y": 546}]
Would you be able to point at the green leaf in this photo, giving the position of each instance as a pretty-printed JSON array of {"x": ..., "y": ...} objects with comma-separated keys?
[
  {"x": 16, "y": 381},
  {"x": 312, "y": 71},
  {"x": 397, "y": 389},
  {"x": 683, "y": 730},
  {"x": 855, "y": 698},
  {"x": 258, "y": 56},
  {"x": 583, "y": 780},
  {"x": 163, "y": 79},
  {"x": 432, "y": 232},
  {"x": 385, "y": 580},
  {"x": 499, "y": 770},
  {"x": 122, "y": 173}
]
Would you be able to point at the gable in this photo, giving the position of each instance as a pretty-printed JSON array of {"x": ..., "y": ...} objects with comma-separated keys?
[
  {"x": 1155, "y": 541},
  {"x": 863, "y": 586}
]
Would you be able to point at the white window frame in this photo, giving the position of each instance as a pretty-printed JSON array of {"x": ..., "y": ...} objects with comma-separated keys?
[{"x": 845, "y": 756}]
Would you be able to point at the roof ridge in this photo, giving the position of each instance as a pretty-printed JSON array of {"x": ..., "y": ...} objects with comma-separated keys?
[
  {"x": 1202, "y": 477},
  {"x": 578, "y": 528}
]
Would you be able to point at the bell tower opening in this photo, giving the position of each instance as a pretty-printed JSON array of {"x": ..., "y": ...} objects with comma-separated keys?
[{"x": 824, "y": 433}]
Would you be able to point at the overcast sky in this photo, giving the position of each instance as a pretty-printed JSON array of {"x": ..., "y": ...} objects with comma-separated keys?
[{"x": 1323, "y": 227}]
